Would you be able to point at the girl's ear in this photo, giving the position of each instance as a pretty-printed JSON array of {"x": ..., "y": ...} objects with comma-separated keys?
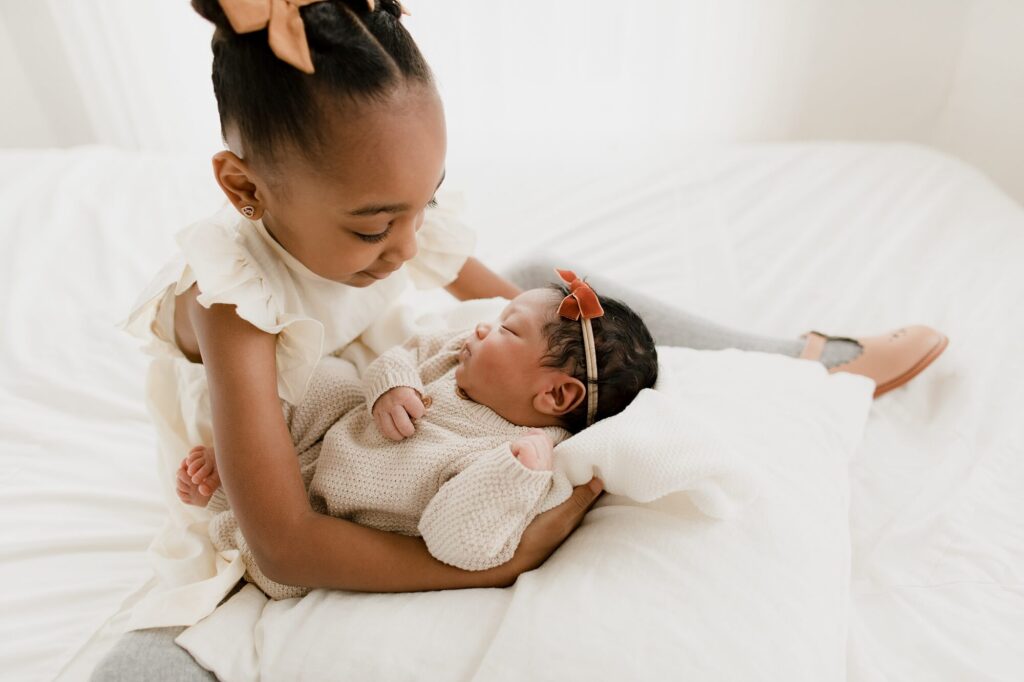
[
  {"x": 562, "y": 396},
  {"x": 237, "y": 180}
]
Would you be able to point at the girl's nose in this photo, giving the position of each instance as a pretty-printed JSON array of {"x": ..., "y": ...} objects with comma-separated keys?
[
  {"x": 403, "y": 246},
  {"x": 482, "y": 330}
]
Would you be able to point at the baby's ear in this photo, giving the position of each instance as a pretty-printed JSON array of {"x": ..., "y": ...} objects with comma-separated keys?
[{"x": 561, "y": 397}]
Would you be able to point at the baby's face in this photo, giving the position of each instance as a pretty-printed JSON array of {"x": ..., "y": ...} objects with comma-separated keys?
[{"x": 500, "y": 365}]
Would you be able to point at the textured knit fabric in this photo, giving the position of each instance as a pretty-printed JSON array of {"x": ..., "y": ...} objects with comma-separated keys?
[
  {"x": 455, "y": 481},
  {"x": 235, "y": 261}
]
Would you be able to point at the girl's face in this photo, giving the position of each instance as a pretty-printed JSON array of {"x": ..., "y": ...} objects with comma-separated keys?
[{"x": 354, "y": 221}]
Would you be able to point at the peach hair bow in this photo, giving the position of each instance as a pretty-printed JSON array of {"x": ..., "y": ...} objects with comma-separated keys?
[
  {"x": 583, "y": 304},
  {"x": 285, "y": 31}
]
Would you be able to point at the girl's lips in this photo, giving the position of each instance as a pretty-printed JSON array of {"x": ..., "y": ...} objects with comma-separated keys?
[{"x": 378, "y": 275}]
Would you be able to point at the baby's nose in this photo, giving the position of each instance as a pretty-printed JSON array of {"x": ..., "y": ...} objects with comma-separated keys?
[{"x": 482, "y": 330}]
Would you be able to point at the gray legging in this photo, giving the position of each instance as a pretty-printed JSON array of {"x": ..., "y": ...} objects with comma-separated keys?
[
  {"x": 152, "y": 654},
  {"x": 673, "y": 327}
]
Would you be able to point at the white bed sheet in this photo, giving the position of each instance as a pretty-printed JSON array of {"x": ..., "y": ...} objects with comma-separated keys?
[{"x": 776, "y": 239}]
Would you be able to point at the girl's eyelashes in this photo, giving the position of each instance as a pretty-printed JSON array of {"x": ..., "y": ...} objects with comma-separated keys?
[
  {"x": 381, "y": 236},
  {"x": 375, "y": 238}
]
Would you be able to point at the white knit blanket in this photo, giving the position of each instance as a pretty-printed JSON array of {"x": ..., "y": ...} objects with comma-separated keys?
[{"x": 661, "y": 445}]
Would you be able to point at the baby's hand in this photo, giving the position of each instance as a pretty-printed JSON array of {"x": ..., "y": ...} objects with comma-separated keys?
[
  {"x": 197, "y": 476},
  {"x": 535, "y": 450},
  {"x": 396, "y": 410}
]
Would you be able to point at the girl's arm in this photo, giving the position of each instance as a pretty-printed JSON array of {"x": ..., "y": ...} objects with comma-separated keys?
[
  {"x": 476, "y": 280},
  {"x": 260, "y": 474}
]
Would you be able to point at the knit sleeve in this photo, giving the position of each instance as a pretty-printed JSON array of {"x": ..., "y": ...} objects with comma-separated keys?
[
  {"x": 403, "y": 365},
  {"x": 334, "y": 390},
  {"x": 475, "y": 520}
]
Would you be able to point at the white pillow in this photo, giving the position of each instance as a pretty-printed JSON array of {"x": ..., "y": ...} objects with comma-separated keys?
[
  {"x": 660, "y": 591},
  {"x": 639, "y": 591}
]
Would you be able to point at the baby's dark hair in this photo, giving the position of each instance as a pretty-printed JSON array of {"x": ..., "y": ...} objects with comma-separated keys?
[
  {"x": 358, "y": 55},
  {"x": 627, "y": 361}
]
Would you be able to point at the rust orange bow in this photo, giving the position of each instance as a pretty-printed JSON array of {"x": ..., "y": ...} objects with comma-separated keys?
[
  {"x": 583, "y": 304},
  {"x": 285, "y": 30},
  {"x": 581, "y": 299}
]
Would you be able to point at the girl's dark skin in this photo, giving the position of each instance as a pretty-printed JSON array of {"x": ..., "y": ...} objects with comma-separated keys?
[{"x": 385, "y": 154}]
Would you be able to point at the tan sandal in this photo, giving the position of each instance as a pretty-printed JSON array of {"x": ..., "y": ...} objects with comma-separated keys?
[{"x": 890, "y": 360}]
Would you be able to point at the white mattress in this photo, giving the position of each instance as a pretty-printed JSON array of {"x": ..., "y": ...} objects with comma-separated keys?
[{"x": 776, "y": 239}]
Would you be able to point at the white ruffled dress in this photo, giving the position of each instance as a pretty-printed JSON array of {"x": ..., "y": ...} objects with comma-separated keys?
[{"x": 235, "y": 261}]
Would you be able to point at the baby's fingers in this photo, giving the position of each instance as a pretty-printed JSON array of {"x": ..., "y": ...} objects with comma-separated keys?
[
  {"x": 402, "y": 422},
  {"x": 196, "y": 461},
  {"x": 523, "y": 448},
  {"x": 183, "y": 478},
  {"x": 414, "y": 406},
  {"x": 386, "y": 425},
  {"x": 202, "y": 472},
  {"x": 210, "y": 485}
]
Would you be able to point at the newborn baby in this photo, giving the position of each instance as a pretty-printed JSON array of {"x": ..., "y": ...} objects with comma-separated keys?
[{"x": 450, "y": 436}]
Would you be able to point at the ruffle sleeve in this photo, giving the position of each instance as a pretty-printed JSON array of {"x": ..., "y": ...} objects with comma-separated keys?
[
  {"x": 444, "y": 242},
  {"x": 214, "y": 255}
]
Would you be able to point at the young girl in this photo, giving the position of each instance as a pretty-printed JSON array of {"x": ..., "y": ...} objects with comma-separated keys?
[{"x": 336, "y": 148}]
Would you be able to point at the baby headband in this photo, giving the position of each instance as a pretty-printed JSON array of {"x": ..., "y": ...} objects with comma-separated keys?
[
  {"x": 582, "y": 304},
  {"x": 285, "y": 31}
]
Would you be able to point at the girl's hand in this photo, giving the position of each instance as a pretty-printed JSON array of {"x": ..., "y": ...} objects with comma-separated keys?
[
  {"x": 534, "y": 450},
  {"x": 550, "y": 529},
  {"x": 396, "y": 410}
]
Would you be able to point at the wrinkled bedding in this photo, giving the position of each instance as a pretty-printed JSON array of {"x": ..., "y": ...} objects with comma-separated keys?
[
  {"x": 651, "y": 591},
  {"x": 848, "y": 239}
]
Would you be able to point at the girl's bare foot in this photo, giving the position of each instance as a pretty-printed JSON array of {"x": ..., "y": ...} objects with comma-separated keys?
[{"x": 197, "y": 476}]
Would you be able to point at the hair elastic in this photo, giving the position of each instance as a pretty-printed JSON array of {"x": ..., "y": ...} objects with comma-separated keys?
[{"x": 583, "y": 304}]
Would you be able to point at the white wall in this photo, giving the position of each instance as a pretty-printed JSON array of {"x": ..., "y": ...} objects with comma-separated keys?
[
  {"x": 983, "y": 117},
  {"x": 522, "y": 77},
  {"x": 24, "y": 120},
  {"x": 119, "y": 72}
]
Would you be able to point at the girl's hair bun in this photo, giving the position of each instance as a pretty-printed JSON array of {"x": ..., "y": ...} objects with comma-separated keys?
[
  {"x": 329, "y": 25},
  {"x": 357, "y": 52},
  {"x": 392, "y": 7},
  {"x": 340, "y": 22},
  {"x": 328, "y": 13}
]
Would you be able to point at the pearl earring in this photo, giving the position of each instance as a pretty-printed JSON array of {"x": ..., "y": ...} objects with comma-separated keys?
[{"x": 248, "y": 211}]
